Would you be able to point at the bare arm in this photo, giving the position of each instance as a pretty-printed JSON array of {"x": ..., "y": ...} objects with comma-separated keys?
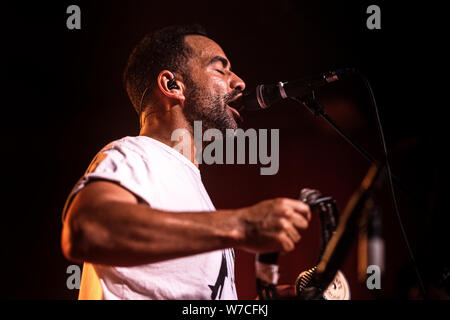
[{"x": 106, "y": 225}]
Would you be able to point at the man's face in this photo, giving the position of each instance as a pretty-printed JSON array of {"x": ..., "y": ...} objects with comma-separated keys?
[{"x": 211, "y": 86}]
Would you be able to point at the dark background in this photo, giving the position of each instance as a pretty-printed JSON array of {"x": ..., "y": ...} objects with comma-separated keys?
[{"x": 65, "y": 101}]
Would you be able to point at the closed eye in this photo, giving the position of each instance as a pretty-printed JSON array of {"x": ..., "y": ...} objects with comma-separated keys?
[{"x": 221, "y": 72}]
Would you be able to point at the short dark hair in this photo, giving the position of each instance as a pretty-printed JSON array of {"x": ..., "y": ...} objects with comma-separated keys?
[{"x": 162, "y": 49}]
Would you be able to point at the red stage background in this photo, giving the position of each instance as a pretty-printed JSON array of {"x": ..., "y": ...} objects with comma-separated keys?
[{"x": 67, "y": 101}]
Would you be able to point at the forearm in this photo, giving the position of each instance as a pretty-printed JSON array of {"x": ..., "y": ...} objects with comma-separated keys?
[{"x": 127, "y": 234}]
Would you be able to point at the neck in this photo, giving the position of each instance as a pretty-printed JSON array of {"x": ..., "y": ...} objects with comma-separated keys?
[{"x": 171, "y": 128}]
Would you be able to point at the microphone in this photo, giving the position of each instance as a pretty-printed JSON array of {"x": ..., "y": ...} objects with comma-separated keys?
[
  {"x": 329, "y": 218},
  {"x": 266, "y": 95},
  {"x": 328, "y": 213},
  {"x": 337, "y": 249},
  {"x": 266, "y": 265},
  {"x": 311, "y": 197},
  {"x": 375, "y": 245}
]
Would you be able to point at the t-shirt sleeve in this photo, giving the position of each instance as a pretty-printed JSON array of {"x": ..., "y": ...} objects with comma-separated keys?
[{"x": 119, "y": 165}]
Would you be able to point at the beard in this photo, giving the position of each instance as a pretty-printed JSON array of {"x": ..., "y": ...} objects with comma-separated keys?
[{"x": 210, "y": 109}]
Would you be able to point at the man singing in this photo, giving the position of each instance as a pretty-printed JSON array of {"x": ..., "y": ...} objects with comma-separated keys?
[{"x": 140, "y": 218}]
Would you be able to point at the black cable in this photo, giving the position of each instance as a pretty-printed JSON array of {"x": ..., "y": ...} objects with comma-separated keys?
[
  {"x": 318, "y": 110},
  {"x": 391, "y": 185}
]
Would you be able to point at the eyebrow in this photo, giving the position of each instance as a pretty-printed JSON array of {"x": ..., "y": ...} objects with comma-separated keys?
[{"x": 221, "y": 59}]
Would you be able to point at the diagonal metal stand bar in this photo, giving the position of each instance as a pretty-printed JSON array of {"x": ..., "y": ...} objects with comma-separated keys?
[{"x": 317, "y": 109}]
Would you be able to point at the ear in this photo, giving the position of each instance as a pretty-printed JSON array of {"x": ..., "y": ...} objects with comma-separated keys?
[{"x": 163, "y": 83}]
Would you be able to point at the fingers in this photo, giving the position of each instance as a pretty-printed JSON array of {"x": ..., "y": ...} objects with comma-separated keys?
[
  {"x": 275, "y": 223},
  {"x": 288, "y": 236},
  {"x": 299, "y": 207},
  {"x": 290, "y": 230},
  {"x": 296, "y": 217},
  {"x": 299, "y": 221},
  {"x": 296, "y": 211},
  {"x": 286, "y": 243}
]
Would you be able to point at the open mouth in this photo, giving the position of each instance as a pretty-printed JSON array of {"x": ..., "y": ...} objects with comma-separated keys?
[
  {"x": 234, "y": 106},
  {"x": 236, "y": 115}
]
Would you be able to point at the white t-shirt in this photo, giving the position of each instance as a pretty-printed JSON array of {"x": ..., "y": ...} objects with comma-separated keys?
[{"x": 164, "y": 179}]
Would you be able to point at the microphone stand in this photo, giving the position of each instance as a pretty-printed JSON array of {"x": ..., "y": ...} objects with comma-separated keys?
[
  {"x": 317, "y": 109},
  {"x": 339, "y": 245}
]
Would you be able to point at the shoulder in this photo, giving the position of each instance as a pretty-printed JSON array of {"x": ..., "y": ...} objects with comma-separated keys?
[
  {"x": 137, "y": 145},
  {"x": 126, "y": 152}
]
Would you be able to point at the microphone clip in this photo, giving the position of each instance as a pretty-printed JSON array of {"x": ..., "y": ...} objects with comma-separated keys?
[{"x": 311, "y": 103}]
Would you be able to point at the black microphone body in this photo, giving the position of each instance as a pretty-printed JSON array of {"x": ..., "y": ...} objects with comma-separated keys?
[
  {"x": 267, "y": 263},
  {"x": 328, "y": 213},
  {"x": 266, "y": 95}
]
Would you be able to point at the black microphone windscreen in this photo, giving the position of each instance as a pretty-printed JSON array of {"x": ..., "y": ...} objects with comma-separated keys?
[{"x": 309, "y": 196}]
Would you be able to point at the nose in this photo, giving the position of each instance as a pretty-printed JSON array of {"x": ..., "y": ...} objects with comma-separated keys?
[{"x": 237, "y": 83}]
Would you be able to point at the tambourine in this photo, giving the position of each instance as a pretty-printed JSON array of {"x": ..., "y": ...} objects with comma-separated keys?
[{"x": 266, "y": 265}]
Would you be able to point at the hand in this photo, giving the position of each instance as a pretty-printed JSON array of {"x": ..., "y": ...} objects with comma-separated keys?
[{"x": 273, "y": 225}]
